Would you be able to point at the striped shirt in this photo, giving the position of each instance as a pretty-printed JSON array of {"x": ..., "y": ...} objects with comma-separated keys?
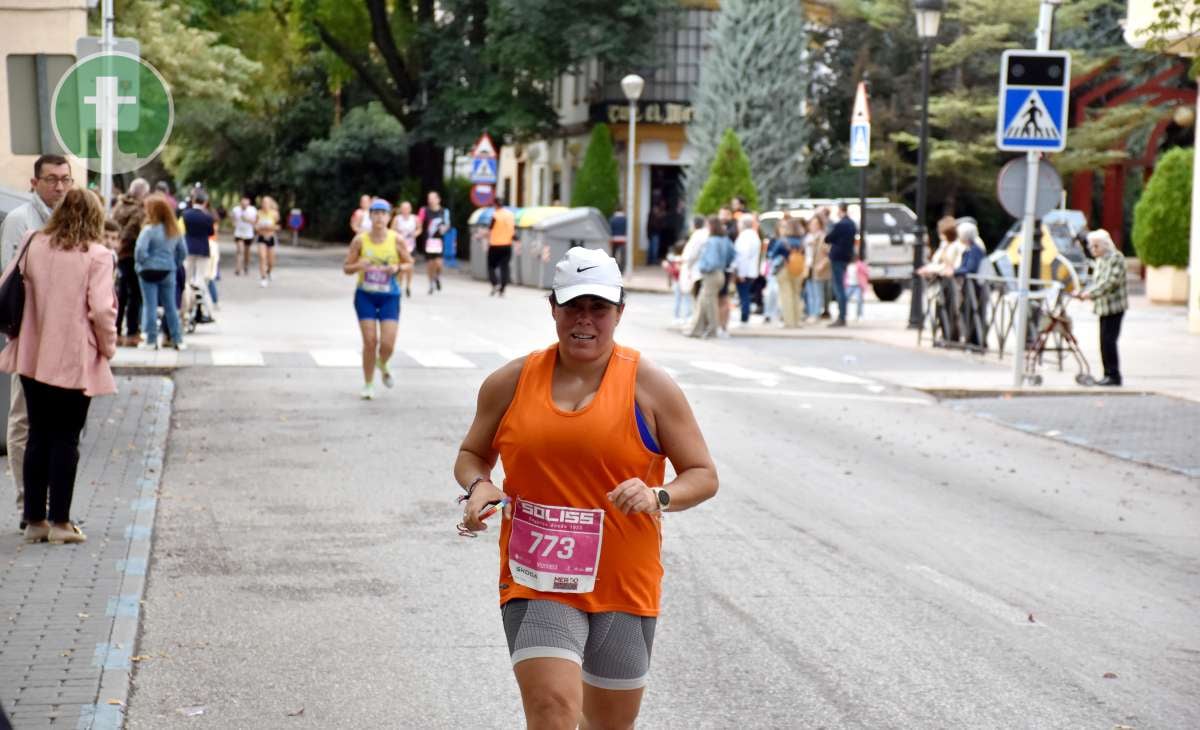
[{"x": 1108, "y": 288}]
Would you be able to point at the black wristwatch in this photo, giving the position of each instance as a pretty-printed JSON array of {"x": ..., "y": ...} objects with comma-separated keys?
[{"x": 663, "y": 497}]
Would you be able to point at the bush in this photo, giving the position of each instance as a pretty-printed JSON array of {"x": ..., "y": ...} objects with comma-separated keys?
[
  {"x": 597, "y": 184},
  {"x": 1162, "y": 217},
  {"x": 367, "y": 153},
  {"x": 729, "y": 176}
]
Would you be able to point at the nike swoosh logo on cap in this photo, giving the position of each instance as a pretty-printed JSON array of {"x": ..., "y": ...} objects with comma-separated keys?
[{"x": 581, "y": 269}]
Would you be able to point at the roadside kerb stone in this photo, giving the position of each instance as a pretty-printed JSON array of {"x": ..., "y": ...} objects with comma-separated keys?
[{"x": 69, "y": 614}]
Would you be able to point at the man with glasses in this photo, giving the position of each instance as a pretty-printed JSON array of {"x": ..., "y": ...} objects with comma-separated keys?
[{"x": 51, "y": 181}]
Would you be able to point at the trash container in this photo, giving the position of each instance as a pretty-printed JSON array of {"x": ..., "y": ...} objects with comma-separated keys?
[
  {"x": 526, "y": 260},
  {"x": 551, "y": 238},
  {"x": 478, "y": 224}
]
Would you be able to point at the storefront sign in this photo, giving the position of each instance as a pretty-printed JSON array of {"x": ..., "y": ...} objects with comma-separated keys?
[{"x": 649, "y": 112}]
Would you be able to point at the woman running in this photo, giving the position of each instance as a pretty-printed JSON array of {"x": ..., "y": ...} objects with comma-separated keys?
[
  {"x": 436, "y": 220},
  {"x": 584, "y": 429},
  {"x": 266, "y": 226},
  {"x": 377, "y": 257},
  {"x": 407, "y": 226}
]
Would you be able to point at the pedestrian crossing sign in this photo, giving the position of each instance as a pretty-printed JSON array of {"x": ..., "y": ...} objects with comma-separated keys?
[
  {"x": 483, "y": 170},
  {"x": 1034, "y": 91},
  {"x": 860, "y": 145}
]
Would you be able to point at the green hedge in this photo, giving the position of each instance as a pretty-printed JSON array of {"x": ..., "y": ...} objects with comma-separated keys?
[
  {"x": 1162, "y": 217},
  {"x": 596, "y": 183}
]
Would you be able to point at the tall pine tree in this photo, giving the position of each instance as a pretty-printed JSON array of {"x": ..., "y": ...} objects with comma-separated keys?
[{"x": 753, "y": 81}]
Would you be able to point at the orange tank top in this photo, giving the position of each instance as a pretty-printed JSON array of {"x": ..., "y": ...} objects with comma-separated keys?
[
  {"x": 504, "y": 228},
  {"x": 574, "y": 459}
]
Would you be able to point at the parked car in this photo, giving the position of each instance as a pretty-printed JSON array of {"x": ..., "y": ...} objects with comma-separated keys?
[
  {"x": 1064, "y": 232},
  {"x": 890, "y": 236}
]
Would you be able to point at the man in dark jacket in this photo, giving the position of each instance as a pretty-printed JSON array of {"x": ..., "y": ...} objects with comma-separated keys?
[
  {"x": 129, "y": 214},
  {"x": 841, "y": 252},
  {"x": 198, "y": 227}
]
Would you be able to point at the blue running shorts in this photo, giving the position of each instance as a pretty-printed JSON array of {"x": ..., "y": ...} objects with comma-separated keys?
[{"x": 377, "y": 305}]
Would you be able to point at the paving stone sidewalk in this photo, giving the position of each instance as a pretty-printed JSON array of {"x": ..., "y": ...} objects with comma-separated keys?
[
  {"x": 1151, "y": 429},
  {"x": 69, "y": 613}
]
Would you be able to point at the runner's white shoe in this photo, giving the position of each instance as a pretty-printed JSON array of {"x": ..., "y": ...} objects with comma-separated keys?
[
  {"x": 368, "y": 391},
  {"x": 388, "y": 381}
]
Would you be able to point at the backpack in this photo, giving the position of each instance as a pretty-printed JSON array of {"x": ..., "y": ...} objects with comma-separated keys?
[{"x": 797, "y": 264}]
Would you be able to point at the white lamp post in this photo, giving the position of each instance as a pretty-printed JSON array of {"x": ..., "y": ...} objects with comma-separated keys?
[{"x": 632, "y": 86}]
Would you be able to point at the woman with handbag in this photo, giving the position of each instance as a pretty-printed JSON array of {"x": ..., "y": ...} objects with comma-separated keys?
[
  {"x": 61, "y": 352},
  {"x": 158, "y": 254}
]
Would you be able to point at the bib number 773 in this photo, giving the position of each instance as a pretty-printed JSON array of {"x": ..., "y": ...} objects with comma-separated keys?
[
  {"x": 555, "y": 549},
  {"x": 567, "y": 543}
]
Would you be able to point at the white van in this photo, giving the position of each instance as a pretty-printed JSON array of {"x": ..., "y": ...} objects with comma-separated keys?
[{"x": 890, "y": 236}]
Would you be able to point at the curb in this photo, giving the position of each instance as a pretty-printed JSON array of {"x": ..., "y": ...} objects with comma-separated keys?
[
  {"x": 116, "y": 656},
  {"x": 958, "y": 393}
]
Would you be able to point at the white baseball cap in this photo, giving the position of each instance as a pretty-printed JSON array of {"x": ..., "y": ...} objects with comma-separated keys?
[{"x": 587, "y": 271}]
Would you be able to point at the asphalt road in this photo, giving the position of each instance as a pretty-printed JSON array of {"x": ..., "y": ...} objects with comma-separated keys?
[{"x": 873, "y": 558}]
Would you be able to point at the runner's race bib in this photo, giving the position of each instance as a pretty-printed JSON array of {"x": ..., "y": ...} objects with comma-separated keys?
[
  {"x": 377, "y": 280},
  {"x": 555, "y": 549},
  {"x": 433, "y": 245}
]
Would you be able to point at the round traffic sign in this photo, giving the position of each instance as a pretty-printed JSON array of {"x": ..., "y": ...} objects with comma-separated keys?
[
  {"x": 123, "y": 90},
  {"x": 482, "y": 194},
  {"x": 1010, "y": 188}
]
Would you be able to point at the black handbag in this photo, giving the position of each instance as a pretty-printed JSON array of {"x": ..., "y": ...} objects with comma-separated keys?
[{"x": 12, "y": 296}]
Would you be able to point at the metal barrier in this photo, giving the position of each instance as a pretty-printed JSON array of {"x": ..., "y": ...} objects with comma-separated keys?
[{"x": 978, "y": 312}]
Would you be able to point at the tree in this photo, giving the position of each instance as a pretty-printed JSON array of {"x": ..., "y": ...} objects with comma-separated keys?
[
  {"x": 1162, "y": 218},
  {"x": 753, "y": 81},
  {"x": 729, "y": 176},
  {"x": 450, "y": 68},
  {"x": 596, "y": 183},
  {"x": 369, "y": 145}
]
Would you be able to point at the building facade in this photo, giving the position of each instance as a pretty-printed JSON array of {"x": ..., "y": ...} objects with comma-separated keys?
[
  {"x": 37, "y": 38},
  {"x": 541, "y": 172}
]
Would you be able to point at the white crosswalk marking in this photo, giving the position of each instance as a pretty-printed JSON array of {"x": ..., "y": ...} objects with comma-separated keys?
[
  {"x": 826, "y": 375},
  {"x": 161, "y": 358},
  {"x": 737, "y": 371},
  {"x": 336, "y": 358},
  {"x": 237, "y": 358},
  {"x": 439, "y": 359}
]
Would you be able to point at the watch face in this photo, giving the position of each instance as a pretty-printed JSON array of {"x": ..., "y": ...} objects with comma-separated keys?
[{"x": 664, "y": 498}]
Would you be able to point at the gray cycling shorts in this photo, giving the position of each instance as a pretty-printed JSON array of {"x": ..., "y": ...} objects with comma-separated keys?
[{"x": 612, "y": 648}]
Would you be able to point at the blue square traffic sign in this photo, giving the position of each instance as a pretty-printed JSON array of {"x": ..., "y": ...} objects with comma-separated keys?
[
  {"x": 483, "y": 170},
  {"x": 1034, "y": 91}
]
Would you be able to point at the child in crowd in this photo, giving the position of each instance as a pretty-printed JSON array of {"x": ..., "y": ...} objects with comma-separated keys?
[
  {"x": 672, "y": 264},
  {"x": 858, "y": 277},
  {"x": 112, "y": 240}
]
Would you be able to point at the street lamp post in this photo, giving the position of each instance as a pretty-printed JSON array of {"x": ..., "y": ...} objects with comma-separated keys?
[
  {"x": 929, "y": 14},
  {"x": 632, "y": 86}
]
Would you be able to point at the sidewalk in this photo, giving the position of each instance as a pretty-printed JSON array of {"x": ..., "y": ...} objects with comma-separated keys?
[
  {"x": 1158, "y": 355},
  {"x": 69, "y": 613}
]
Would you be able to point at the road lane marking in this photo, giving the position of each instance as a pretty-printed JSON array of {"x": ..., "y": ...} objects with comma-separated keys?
[
  {"x": 440, "y": 359},
  {"x": 749, "y": 390},
  {"x": 988, "y": 603},
  {"x": 736, "y": 371},
  {"x": 826, "y": 375},
  {"x": 164, "y": 357},
  {"x": 237, "y": 358},
  {"x": 336, "y": 358}
]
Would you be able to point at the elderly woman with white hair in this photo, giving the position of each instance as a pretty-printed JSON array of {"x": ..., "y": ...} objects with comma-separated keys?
[{"x": 1109, "y": 295}]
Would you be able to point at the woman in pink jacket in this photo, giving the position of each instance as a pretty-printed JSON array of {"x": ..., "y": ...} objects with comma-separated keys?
[{"x": 68, "y": 335}]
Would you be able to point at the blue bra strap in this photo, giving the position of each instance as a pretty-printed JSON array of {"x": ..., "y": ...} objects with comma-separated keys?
[{"x": 644, "y": 430}]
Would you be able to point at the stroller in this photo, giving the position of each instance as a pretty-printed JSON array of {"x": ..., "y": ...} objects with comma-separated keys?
[
  {"x": 1054, "y": 334},
  {"x": 196, "y": 312}
]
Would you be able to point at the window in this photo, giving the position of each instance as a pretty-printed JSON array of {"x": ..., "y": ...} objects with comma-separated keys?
[
  {"x": 682, "y": 42},
  {"x": 558, "y": 92},
  {"x": 31, "y": 82}
]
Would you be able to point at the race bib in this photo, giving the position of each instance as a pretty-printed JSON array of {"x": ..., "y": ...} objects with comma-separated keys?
[
  {"x": 555, "y": 549},
  {"x": 377, "y": 280},
  {"x": 433, "y": 245}
]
